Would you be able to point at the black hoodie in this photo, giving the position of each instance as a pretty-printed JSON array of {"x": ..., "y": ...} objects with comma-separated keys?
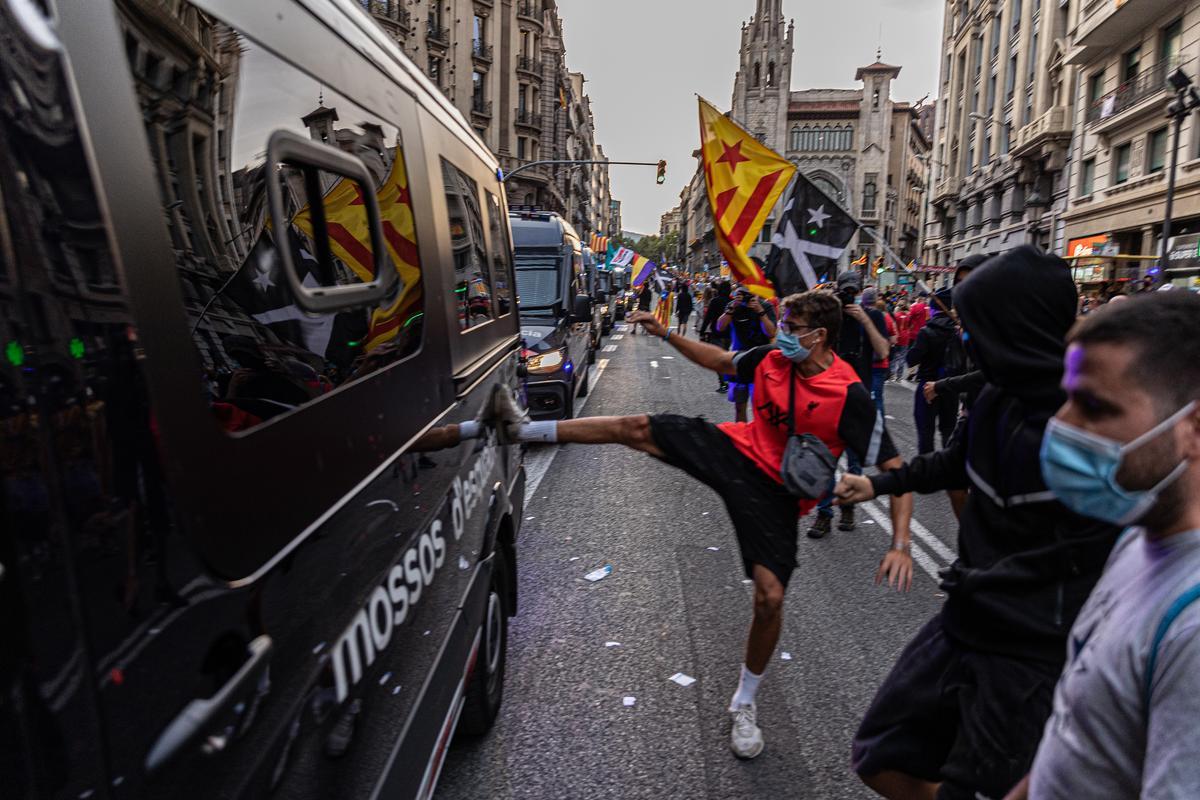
[{"x": 1025, "y": 563}]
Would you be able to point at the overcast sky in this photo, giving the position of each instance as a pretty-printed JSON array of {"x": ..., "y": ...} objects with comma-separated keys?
[{"x": 645, "y": 60}]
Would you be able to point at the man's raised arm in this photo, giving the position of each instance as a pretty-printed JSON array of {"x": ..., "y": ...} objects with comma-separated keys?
[{"x": 706, "y": 355}]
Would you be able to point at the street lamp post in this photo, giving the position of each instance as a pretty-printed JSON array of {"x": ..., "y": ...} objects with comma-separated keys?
[{"x": 1187, "y": 99}]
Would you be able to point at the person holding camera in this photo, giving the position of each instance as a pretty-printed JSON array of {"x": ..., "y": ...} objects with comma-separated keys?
[
  {"x": 751, "y": 324},
  {"x": 768, "y": 471},
  {"x": 863, "y": 339}
]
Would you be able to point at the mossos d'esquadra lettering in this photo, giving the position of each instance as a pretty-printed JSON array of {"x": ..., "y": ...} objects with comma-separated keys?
[{"x": 370, "y": 631}]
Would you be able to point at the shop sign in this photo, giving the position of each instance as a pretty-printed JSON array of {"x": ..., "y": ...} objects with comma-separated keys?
[
  {"x": 1184, "y": 253},
  {"x": 1092, "y": 246}
]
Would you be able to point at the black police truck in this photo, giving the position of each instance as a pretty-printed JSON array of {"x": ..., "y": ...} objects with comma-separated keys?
[
  {"x": 556, "y": 312},
  {"x": 254, "y": 271}
]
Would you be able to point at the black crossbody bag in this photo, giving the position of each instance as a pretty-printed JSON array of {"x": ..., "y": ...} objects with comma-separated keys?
[{"x": 808, "y": 465}]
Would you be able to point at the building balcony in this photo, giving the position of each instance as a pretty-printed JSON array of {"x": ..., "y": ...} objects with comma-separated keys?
[
  {"x": 481, "y": 108},
  {"x": 947, "y": 189},
  {"x": 1052, "y": 127},
  {"x": 481, "y": 51},
  {"x": 1109, "y": 111},
  {"x": 390, "y": 11},
  {"x": 527, "y": 119},
  {"x": 436, "y": 35},
  {"x": 1104, "y": 24},
  {"x": 530, "y": 10},
  {"x": 530, "y": 66}
]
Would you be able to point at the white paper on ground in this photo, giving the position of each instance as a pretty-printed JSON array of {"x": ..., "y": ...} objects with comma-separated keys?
[
  {"x": 612, "y": 644},
  {"x": 683, "y": 680},
  {"x": 714, "y": 549},
  {"x": 598, "y": 574},
  {"x": 786, "y": 656},
  {"x": 630, "y": 701}
]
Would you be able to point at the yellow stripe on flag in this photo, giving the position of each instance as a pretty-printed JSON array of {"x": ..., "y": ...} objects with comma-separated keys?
[{"x": 744, "y": 180}]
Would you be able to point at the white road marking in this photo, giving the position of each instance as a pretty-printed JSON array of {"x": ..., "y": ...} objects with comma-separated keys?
[
  {"x": 537, "y": 463},
  {"x": 920, "y": 556},
  {"x": 612, "y": 348},
  {"x": 654, "y": 364},
  {"x": 933, "y": 542},
  {"x": 618, "y": 337}
]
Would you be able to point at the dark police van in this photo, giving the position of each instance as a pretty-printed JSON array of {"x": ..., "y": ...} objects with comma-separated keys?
[
  {"x": 556, "y": 312},
  {"x": 254, "y": 272}
]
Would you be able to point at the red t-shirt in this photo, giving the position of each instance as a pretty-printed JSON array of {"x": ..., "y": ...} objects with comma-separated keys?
[
  {"x": 902, "y": 330},
  {"x": 918, "y": 315},
  {"x": 832, "y": 405},
  {"x": 882, "y": 363}
]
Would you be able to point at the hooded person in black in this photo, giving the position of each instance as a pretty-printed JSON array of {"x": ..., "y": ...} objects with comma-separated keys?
[
  {"x": 966, "y": 703},
  {"x": 930, "y": 355}
]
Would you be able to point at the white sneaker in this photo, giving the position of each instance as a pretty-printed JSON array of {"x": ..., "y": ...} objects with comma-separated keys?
[{"x": 746, "y": 740}]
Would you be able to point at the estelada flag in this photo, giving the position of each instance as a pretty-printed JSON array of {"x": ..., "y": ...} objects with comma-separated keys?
[{"x": 744, "y": 179}]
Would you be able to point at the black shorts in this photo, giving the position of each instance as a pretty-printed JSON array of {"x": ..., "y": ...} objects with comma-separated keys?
[
  {"x": 948, "y": 714},
  {"x": 764, "y": 515}
]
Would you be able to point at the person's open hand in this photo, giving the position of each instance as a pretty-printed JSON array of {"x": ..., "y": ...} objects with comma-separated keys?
[
  {"x": 650, "y": 323},
  {"x": 930, "y": 392},
  {"x": 853, "y": 489},
  {"x": 897, "y": 569}
]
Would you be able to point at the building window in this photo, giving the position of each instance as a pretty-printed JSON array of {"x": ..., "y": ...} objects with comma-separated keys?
[
  {"x": 971, "y": 156},
  {"x": 1156, "y": 151},
  {"x": 870, "y": 192},
  {"x": 1006, "y": 138},
  {"x": 875, "y": 99},
  {"x": 1010, "y": 78},
  {"x": 435, "y": 70},
  {"x": 794, "y": 142},
  {"x": 478, "y": 90},
  {"x": 985, "y": 157},
  {"x": 991, "y": 95},
  {"x": 757, "y": 75},
  {"x": 1016, "y": 15},
  {"x": 479, "y": 33},
  {"x": 1121, "y": 163},
  {"x": 770, "y": 75},
  {"x": 1131, "y": 64},
  {"x": 1095, "y": 88},
  {"x": 996, "y": 28},
  {"x": 1172, "y": 44},
  {"x": 1087, "y": 177},
  {"x": 521, "y": 140}
]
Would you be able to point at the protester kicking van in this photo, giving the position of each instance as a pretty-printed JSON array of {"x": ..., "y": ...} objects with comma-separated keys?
[
  {"x": 254, "y": 272},
  {"x": 556, "y": 312}
]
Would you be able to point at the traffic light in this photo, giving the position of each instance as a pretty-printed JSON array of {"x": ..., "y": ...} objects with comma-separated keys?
[{"x": 662, "y": 172}]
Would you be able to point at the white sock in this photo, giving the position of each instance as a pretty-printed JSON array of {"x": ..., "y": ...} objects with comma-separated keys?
[
  {"x": 747, "y": 688},
  {"x": 546, "y": 432},
  {"x": 469, "y": 430}
]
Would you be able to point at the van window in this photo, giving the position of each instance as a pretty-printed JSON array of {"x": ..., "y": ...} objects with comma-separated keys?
[
  {"x": 501, "y": 255},
  {"x": 472, "y": 281},
  {"x": 261, "y": 356}
]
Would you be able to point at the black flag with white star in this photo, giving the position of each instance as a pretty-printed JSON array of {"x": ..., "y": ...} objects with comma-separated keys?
[{"x": 811, "y": 236}]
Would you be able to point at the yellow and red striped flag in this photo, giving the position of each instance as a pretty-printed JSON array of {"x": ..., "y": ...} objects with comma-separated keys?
[
  {"x": 861, "y": 261},
  {"x": 744, "y": 179}
]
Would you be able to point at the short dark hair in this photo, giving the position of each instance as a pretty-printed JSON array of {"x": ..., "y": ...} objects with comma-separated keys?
[
  {"x": 1163, "y": 328},
  {"x": 818, "y": 309}
]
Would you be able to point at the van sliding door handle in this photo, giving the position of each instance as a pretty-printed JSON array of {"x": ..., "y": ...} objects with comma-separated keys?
[{"x": 212, "y": 716}]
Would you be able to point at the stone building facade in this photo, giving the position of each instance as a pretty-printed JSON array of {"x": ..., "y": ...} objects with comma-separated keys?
[
  {"x": 1124, "y": 54},
  {"x": 502, "y": 63}
]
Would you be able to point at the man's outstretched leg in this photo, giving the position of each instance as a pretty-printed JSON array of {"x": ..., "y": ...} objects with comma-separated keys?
[
  {"x": 746, "y": 739},
  {"x": 631, "y": 431}
]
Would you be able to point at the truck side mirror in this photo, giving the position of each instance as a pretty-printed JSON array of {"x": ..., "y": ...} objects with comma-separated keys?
[{"x": 583, "y": 309}]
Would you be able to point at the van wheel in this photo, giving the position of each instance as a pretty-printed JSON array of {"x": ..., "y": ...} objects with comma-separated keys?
[{"x": 486, "y": 690}]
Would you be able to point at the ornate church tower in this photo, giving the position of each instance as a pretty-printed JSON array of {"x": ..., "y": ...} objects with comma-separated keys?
[{"x": 762, "y": 88}]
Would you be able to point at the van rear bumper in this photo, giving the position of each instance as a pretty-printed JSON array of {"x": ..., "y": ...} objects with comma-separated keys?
[{"x": 549, "y": 399}]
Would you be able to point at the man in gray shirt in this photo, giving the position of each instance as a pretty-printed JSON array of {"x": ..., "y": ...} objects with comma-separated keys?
[{"x": 1126, "y": 448}]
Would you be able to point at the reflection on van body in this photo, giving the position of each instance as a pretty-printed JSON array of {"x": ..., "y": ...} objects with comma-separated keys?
[{"x": 207, "y": 491}]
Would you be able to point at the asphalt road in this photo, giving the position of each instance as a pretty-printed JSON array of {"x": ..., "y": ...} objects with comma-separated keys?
[{"x": 676, "y": 605}]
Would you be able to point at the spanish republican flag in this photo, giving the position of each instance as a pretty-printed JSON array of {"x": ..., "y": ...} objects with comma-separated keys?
[
  {"x": 745, "y": 179},
  {"x": 640, "y": 269}
]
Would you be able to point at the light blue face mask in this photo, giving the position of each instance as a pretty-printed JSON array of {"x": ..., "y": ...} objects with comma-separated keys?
[
  {"x": 1081, "y": 469},
  {"x": 789, "y": 345}
]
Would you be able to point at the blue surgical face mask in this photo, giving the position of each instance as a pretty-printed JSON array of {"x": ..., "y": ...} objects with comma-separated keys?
[
  {"x": 789, "y": 345},
  {"x": 1081, "y": 469}
]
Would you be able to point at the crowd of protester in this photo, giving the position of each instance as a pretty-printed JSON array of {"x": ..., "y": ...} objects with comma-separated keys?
[{"x": 1065, "y": 661}]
